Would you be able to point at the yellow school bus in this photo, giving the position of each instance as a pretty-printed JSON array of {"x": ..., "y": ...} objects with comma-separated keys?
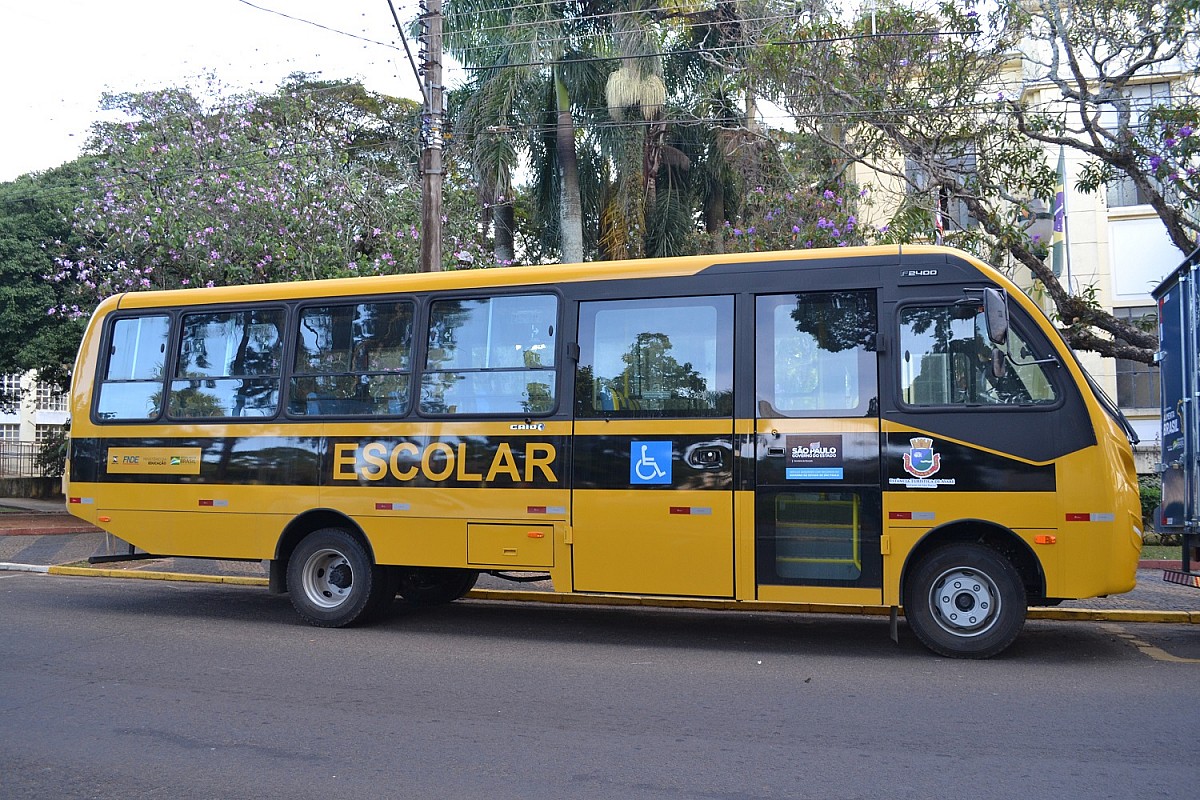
[{"x": 876, "y": 426}]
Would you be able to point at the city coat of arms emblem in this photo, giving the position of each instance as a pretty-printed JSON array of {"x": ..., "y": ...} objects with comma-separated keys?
[{"x": 920, "y": 461}]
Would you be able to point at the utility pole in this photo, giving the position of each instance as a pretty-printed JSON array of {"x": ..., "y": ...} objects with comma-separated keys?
[{"x": 432, "y": 121}]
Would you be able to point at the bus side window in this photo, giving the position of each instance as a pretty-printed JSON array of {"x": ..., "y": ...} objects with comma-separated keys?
[
  {"x": 228, "y": 364},
  {"x": 666, "y": 357},
  {"x": 132, "y": 386},
  {"x": 945, "y": 360},
  {"x": 492, "y": 355},
  {"x": 353, "y": 360},
  {"x": 815, "y": 354}
]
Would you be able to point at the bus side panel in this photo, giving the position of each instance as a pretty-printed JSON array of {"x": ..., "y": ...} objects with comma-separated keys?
[
  {"x": 1099, "y": 529},
  {"x": 251, "y": 536}
]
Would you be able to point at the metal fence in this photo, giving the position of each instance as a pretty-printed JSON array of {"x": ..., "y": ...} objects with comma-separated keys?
[{"x": 20, "y": 460}]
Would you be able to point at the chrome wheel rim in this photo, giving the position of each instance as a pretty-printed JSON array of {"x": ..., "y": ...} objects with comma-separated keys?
[
  {"x": 964, "y": 602},
  {"x": 327, "y": 578}
]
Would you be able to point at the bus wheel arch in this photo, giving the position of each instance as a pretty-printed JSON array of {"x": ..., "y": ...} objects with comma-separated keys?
[
  {"x": 966, "y": 588},
  {"x": 326, "y": 563},
  {"x": 302, "y": 526}
]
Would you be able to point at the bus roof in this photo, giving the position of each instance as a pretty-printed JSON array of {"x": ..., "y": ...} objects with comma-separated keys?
[{"x": 543, "y": 274}]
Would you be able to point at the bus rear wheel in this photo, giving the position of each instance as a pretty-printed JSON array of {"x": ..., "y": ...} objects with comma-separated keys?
[
  {"x": 332, "y": 581},
  {"x": 433, "y": 586},
  {"x": 965, "y": 601}
]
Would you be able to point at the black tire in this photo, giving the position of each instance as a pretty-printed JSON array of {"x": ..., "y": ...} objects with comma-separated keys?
[
  {"x": 433, "y": 586},
  {"x": 332, "y": 581},
  {"x": 965, "y": 601}
]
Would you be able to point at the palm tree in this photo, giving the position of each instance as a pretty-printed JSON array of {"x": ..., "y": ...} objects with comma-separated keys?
[{"x": 517, "y": 50}]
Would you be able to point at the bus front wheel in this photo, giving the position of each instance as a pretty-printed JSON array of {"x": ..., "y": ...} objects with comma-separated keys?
[
  {"x": 965, "y": 601},
  {"x": 332, "y": 580}
]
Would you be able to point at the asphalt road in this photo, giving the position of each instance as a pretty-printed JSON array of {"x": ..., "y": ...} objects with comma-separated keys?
[{"x": 144, "y": 689}]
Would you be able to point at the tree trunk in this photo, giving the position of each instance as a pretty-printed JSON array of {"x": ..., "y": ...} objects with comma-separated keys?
[
  {"x": 502, "y": 222},
  {"x": 570, "y": 205}
]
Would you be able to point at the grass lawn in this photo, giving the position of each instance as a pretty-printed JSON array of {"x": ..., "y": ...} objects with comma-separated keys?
[{"x": 1161, "y": 551}]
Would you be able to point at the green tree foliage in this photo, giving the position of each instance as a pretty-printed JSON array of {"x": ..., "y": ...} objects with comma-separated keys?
[
  {"x": 34, "y": 222},
  {"x": 928, "y": 100},
  {"x": 662, "y": 103},
  {"x": 525, "y": 59}
]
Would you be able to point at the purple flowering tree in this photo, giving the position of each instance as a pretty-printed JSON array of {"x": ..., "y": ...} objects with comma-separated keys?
[
  {"x": 774, "y": 218},
  {"x": 316, "y": 180}
]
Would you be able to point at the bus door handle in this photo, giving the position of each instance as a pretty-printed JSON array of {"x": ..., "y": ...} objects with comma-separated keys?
[{"x": 706, "y": 456}]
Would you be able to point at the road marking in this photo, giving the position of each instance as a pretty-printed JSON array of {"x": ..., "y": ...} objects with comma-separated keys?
[{"x": 1156, "y": 653}]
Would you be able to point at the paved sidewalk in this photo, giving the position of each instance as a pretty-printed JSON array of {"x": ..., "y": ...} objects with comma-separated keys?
[{"x": 42, "y": 535}]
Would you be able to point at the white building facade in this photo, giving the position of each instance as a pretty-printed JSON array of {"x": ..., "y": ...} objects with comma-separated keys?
[{"x": 30, "y": 414}]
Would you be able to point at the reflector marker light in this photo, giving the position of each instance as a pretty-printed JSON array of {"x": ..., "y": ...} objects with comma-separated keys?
[
  {"x": 692, "y": 511},
  {"x": 925, "y": 515},
  {"x": 214, "y": 503},
  {"x": 87, "y": 501},
  {"x": 545, "y": 510},
  {"x": 1081, "y": 517},
  {"x": 392, "y": 506},
  {"x": 1045, "y": 539}
]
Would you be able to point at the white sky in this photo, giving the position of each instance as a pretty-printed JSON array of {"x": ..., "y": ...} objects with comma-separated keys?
[{"x": 58, "y": 58}]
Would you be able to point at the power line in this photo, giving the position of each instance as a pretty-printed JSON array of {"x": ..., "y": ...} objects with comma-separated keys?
[{"x": 318, "y": 25}]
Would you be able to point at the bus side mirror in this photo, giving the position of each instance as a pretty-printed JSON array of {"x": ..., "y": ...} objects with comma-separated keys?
[
  {"x": 999, "y": 363},
  {"x": 995, "y": 313}
]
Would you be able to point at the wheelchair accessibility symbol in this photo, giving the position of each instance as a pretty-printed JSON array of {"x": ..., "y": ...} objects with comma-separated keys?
[{"x": 650, "y": 463}]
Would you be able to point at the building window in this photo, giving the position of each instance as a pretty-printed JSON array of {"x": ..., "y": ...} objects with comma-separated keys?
[
  {"x": 1141, "y": 99},
  {"x": 10, "y": 393},
  {"x": 49, "y": 398},
  {"x": 941, "y": 184},
  {"x": 10, "y": 433},
  {"x": 1137, "y": 383},
  {"x": 44, "y": 433}
]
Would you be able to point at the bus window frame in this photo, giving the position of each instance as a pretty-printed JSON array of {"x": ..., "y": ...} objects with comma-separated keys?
[
  {"x": 221, "y": 308},
  {"x": 864, "y": 410},
  {"x": 297, "y": 309},
  {"x": 421, "y": 324},
  {"x": 1019, "y": 322},
  {"x": 682, "y": 296},
  {"x": 106, "y": 341}
]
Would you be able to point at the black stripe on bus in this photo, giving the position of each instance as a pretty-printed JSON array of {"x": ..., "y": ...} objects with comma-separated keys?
[
  {"x": 416, "y": 461},
  {"x": 923, "y": 463}
]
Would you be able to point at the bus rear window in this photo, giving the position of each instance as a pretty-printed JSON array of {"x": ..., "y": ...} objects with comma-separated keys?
[{"x": 133, "y": 375}]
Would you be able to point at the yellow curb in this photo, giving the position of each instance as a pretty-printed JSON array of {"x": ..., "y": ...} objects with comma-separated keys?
[
  {"x": 506, "y": 595},
  {"x": 1080, "y": 614},
  {"x": 1115, "y": 615},
  {"x": 232, "y": 580}
]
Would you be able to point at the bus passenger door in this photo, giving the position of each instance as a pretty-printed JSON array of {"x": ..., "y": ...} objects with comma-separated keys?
[
  {"x": 652, "y": 482},
  {"x": 817, "y": 503}
]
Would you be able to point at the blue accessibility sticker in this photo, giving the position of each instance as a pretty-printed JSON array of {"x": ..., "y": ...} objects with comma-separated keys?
[{"x": 650, "y": 463}]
